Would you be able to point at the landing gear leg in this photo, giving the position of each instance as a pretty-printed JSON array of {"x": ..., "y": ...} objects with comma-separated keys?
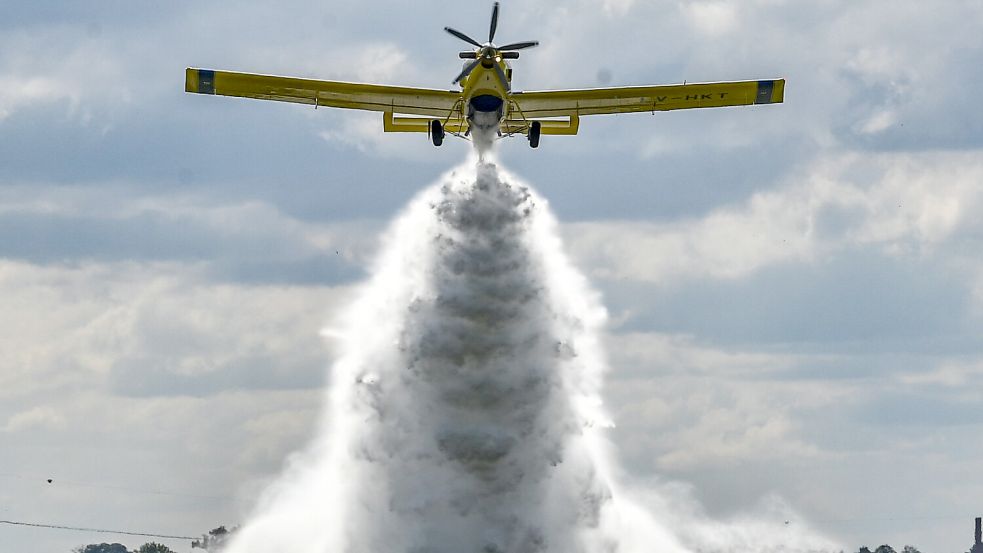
[
  {"x": 436, "y": 132},
  {"x": 534, "y": 131}
]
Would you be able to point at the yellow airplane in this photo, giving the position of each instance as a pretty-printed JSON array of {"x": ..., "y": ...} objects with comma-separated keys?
[{"x": 486, "y": 101}]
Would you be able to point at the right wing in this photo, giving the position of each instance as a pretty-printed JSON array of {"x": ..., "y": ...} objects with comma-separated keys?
[
  {"x": 628, "y": 99},
  {"x": 392, "y": 99}
]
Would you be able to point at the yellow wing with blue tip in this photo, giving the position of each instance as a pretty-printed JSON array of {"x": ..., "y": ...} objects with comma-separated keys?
[
  {"x": 628, "y": 99},
  {"x": 392, "y": 99}
]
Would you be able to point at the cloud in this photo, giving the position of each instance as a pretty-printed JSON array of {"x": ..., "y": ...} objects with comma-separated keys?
[
  {"x": 917, "y": 409},
  {"x": 647, "y": 355},
  {"x": 953, "y": 375},
  {"x": 19, "y": 91},
  {"x": 711, "y": 18},
  {"x": 895, "y": 204},
  {"x": 741, "y": 422},
  {"x": 32, "y": 419},
  {"x": 151, "y": 329},
  {"x": 878, "y": 122},
  {"x": 704, "y": 404},
  {"x": 62, "y": 70},
  {"x": 177, "y": 465},
  {"x": 148, "y": 388},
  {"x": 361, "y": 132},
  {"x": 250, "y": 241}
]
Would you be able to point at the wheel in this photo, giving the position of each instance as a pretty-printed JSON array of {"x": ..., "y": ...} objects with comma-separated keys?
[
  {"x": 534, "y": 131},
  {"x": 436, "y": 133}
]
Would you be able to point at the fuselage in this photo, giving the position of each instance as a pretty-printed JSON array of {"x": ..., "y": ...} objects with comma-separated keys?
[{"x": 486, "y": 91}]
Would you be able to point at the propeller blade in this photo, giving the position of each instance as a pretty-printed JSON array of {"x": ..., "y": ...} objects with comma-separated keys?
[
  {"x": 501, "y": 75},
  {"x": 466, "y": 71},
  {"x": 467, "y": 55},
  {"x": 510, "y": 55},
  {"x": 494, "y": 23},
  {"x": 462, "y": 36},
  {"x": 519, "y": 45}
]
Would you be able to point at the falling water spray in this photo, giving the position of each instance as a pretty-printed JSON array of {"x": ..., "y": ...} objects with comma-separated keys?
[{"x": 464, "y": 411}]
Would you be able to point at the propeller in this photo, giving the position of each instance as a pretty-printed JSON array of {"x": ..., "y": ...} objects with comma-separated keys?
[
  {"x": 519, "y": 45},
  {"x": 488, "y": 52},
  {"x": 502, "y": 77},
  {"x": 494, "y": 24},
  {"x": 467, "y": 70},
  {"x": 462, "y": 36}
]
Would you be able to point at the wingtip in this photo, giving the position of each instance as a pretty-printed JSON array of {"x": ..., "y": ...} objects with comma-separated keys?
[
  {"x": 190, "y": 80},
  {"x": 778, "y": 94},
  {"x": 200, "y": 81}
]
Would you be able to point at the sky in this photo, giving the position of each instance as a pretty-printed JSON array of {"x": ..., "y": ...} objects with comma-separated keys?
[{"x": 795, "y": 292}]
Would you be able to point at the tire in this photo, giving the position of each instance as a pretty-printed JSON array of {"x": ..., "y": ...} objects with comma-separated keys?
[
  {"x": 436, "y": 133},
  {"x": 534, "y": 132}
]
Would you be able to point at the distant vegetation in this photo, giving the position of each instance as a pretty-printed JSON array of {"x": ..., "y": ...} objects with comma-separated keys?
[
  {"x": 889, "y": 549},
  {"x": 154, "y": 548},
  {"x": 102, "y": 548},
  {"x": 213, "y": 541},
  {"x": 150, "y": 547},
  {"x": 217, "y": 536}
]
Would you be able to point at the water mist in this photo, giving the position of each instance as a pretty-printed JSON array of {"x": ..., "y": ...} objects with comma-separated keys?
[{"x": 464, "y": 410}]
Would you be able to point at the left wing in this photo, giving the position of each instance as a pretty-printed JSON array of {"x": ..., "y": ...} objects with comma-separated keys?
[
  {"x": 628, "y": 99},
  {"x": 391, "y": 99}
]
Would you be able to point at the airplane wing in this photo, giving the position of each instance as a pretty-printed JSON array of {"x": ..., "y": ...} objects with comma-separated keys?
[
  {"x": 391, "y": 99},
  {"x": 628, "y": 99}
]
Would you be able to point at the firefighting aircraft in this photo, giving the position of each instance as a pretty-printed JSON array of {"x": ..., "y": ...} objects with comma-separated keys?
[{"x": 486, "y": 101}]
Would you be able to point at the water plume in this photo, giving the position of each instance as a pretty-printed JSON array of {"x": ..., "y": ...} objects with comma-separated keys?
[{"x": 464, "y": 411}]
